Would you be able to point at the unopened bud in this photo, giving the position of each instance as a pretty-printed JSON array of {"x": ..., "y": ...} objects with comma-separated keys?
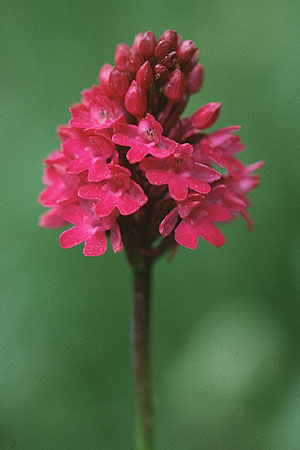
[
  {"x": 135, "y": 60},
  {"x": 146, "y": 44},
  {"x": 174, "y": 88},
  {"x": 171, "y": 36},
  {"x": 144, "y": 77},
  {"x": 206, "y": 116},
  {"x": 162, "y": 49},
  {"x": 186, "y": 50},
  {"x": 122, "y": 57},
  {"x": 136, "y": 100},
  {"x": 118, "y": 83},
  {"x": 195, "y": 78}
]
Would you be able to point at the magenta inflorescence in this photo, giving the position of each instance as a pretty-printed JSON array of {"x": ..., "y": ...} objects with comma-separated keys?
[{"x": 131, "y": 168}]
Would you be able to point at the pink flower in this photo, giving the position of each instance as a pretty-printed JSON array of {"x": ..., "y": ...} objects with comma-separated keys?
[
  {"x": 180, "y": 172},
  {"x": 144, "y": 139},
  {"x": 197, "y": 216},
  {"x": 237, "y": 186},
  {"x": 117, "y": 191},
  {"x": 132, "y": 168},
  {"x": 97, "y": 112},
  {"x": 219, "y": 147},
  {"x": 91, "y": 157},
  {"x": 89, "y": 229},
  {"x": 61, "y": 187}
]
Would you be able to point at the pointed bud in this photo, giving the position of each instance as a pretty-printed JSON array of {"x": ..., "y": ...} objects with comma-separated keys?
[
  {"x": 121, "y": 57},
  {"x": 145, "y": 44},
  {"x": 162, "y": 49},
  {"x": 174, "y": 88},
  {"x": 118, "y": 83},
  {"x": 186, "y": 50},
  {"x": 162, "y": 74},
  {"x": 144, "y": 77},
  {"x": 195, "y": 78},
  {"x": 135, "y": 60},
  {"x": 170, "y": 35},
  {"x": 136, "y": 100},
  {"x": 206, "y": 116}
]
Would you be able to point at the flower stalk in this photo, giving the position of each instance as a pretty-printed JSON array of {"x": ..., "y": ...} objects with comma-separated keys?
[{"x": 141, "y": 356}]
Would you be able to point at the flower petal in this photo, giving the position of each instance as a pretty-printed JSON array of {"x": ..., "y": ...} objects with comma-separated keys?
[
  {"x": 72, "y": 237},
  {"x": 177, "y": 188},
  {"x": 210, "y": 233},
  {"x": 158, "y": 177},
  {"x": 165, "y": 148},
  {"x": 127, "y": 204},
  {"x": 186, "y": 235},
  {"x": 79, "y": 165},
  {"x": 96, "y": 243},
  {"x": 98, "y": 170},
  {"x": 51, "y": 219},
  {"x": 205, "y": 173},
  {"x": 137, "y": 152},
  {"x": 91, "y": 191},
  {"x": 105, "y": 205},
  {"x": 168, "y": 224},
  {"x": 116, "y": 239},
  {"x": 218, "y": 213},
  {"x": 73, "y": 214},
  {"x": 137, "y": 192},
  {"x": 197, "y": 185}
]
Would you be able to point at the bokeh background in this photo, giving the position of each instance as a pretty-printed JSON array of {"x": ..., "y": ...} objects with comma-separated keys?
[{"x": 226, "y": 322}]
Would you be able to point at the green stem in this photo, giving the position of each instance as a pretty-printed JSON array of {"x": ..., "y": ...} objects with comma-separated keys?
[{"x": 141, "y": 356}]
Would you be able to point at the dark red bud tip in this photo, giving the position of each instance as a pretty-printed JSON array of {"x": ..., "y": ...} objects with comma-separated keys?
[
  {"x": 162, "y": 49},
  {"x": 186, "y": 50},
  {"x": 144, "y": 77},
  {"x": 206, "y": 116},
  {"x": 162, "y": 74},
  {"x": 174, "y": 88},
  {"x": 146, "y": 45},
  {"x": 118, "y": 83},
  {"x": 121, "y": 57},
  {"x": 136, "y": 100},
  {"x": 135, "y": 60},
  {"x": 170, "y": 35},
  {"x": 195, "y": 78}
]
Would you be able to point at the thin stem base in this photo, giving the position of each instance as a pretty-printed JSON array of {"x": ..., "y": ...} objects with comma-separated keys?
[{"x": 141, "y": 357}]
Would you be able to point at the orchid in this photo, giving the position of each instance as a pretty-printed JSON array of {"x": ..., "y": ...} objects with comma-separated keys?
[{"x": 133, "y": 170}]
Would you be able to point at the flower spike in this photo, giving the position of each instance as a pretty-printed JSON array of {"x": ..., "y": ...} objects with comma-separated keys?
[{"x": 132, "y": 169}]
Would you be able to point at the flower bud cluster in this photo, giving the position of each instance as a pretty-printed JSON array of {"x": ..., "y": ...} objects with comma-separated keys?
[{"x": 132, "y": 169}]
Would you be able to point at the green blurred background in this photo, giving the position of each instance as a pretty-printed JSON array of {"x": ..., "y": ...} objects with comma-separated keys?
[{"x": 226, "y": 332}]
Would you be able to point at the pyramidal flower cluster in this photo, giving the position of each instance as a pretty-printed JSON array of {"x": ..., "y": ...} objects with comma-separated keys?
[{"x": 132, "y": 169}]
